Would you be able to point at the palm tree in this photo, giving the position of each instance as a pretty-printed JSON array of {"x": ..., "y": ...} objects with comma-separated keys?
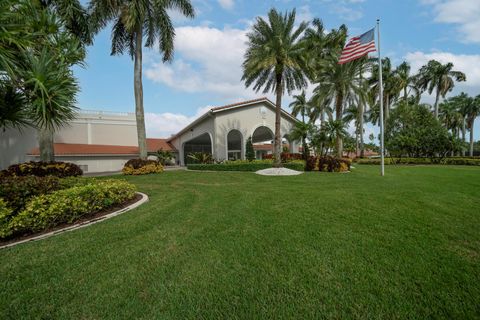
[
  {"x": 134, "y": 20},
  {"x": 339, "y": 83},
  {"x": 391, "y": 84},
  {"x": 438, "y": 77},
  {"x": 355, "y": 113},
  {"x": 300, "y": 105},
  {"x": 405, "y": 80},
  {"x": 473, "y": 111},
  {"x": 275, "y": 61},
  {"x": 451, "y": 117},
  {"x": 462, "y": 103},
  {"x": 335, "y": 130}
]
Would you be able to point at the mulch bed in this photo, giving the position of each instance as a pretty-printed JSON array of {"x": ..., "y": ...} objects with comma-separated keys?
[{"x": 86, "y": 218}]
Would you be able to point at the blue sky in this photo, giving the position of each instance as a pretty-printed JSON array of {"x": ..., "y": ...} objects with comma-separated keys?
[{"x": 209, "y": 51}]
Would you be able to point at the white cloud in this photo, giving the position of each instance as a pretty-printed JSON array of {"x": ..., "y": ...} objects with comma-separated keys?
[
  {"x": 468, "y": 64},
  {"x": 210, "y": 62},
  {"x": 463, "y": 13},
  {"x": 163, "y": 125},
  {"x": 226, "y": 4}
]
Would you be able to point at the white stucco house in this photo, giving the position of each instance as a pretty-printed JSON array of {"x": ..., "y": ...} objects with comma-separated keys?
[
  {"x": 223, "y": 131},
  {"x": 103, "y": 141}
]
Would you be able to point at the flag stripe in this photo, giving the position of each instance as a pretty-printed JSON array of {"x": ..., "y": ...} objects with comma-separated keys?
[
  {"x": 358, "y": 47},
  {"x": 369, "y": 48}
]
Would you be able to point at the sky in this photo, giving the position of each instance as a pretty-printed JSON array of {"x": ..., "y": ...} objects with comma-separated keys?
[{"x": 209, "y": 49}]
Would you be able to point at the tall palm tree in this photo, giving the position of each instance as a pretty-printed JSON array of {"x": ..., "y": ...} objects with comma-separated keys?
[
  {"x": 354, "y": 112},
  {"x": 462, "y": 103},
  {"x": 391, "y": 84},
  {"x": 134, "y": 21},
  {"x": 473, "y": 111},
  {"x": 335, "y": 130},
  {"x": 339, "y": 83},
  {"x": 274, "y": 61},
  {"x": 406, "y": 81},
  {"x": 438, "y": 77}
]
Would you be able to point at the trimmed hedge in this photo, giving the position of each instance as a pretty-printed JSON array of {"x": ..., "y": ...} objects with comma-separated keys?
[
  {"x": 64, "y": 206},
  {"x": 285, "y": 156},
  {"x": 328, "y": 164},
  {"x": 140, "y": 166},
  {"x": 445, "y": 161},
  {"x": 245, "y": 166},
  {"x": 42, "y": 169}
]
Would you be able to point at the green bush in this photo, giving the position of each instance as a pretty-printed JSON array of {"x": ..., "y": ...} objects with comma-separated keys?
[
  {"x": 245, "y": 165},
  {"x": 446, "y": 161},
  {"x": 328, "y": 164},
  {"x": 140, "y": 166},
  {"x": 66, "y": 206},
  {"x": 17, "y": 191},
  {"x": 42, "y": 169},
  {"x": 5, "y": 216}
]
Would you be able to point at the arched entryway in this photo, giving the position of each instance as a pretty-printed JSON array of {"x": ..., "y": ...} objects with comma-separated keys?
[
  {"x": 262, "y": 140},
  {"x": 234, "y": 145},
  {"x": 202, "y": 143}
]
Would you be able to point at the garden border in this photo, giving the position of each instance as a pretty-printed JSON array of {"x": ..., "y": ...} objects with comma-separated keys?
[{"x": 82, "y": 224}]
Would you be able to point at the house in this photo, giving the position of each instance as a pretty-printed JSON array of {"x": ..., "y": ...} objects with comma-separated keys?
[
  {"x": 101, "y": 141},
  {"x": 223, "y": 131}
]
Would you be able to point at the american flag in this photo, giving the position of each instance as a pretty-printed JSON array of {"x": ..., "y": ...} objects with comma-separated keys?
[{"x": 358, "y": 47}]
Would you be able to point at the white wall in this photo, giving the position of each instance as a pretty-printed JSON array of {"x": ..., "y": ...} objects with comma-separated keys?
[
  {"x": 246, "y": 120},
  {"x": 205, "y": 126}
]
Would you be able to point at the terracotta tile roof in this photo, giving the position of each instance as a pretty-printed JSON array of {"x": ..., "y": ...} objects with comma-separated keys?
[
  {"x": 97, "y": 149},
  {"x": 154, "y": 145}
]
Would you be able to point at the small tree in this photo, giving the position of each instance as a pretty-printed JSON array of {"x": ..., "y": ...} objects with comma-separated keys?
[{"x": 249, "y": 152}]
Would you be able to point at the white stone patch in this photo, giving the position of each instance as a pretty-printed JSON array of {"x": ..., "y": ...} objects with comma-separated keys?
[{"x": 278, "y": 172}]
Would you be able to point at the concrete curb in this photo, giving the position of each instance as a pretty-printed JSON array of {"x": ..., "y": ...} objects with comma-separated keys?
[{"x": 82, "y": 224}]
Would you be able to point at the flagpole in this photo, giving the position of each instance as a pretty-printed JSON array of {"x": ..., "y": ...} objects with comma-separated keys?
[{"x": 382, "y": 165}]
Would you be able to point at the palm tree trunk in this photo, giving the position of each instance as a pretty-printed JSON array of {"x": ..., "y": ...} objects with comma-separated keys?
[
  {"x": 45, "y": 144},
  {"x": 435, "y": 107},
  {"x": 278, "y": 114},
  {"x": 471, "y": 138},
  {"x": 387, "y": 108},
  {"x": 138, "y": 88},
  {"x": 362, "y": 147},
  {"x": 322, "y": 125},
  {"x": 405, "y": 95},
  {"x": 338, "y": 117},
  {"x": 463, "y": 135}
]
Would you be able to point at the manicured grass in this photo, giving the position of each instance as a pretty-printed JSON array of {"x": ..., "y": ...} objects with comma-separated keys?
[{"x": 237, "y": 245}]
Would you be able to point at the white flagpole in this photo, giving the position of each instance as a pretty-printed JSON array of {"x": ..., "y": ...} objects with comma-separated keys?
[{"x": 382, "y": 170}]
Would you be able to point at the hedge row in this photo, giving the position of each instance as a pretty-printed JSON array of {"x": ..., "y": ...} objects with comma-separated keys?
[
  {"x": 63, "y": 206},
  {"x": 42, "y": 169},
  {"x": 327, "y": 164},
  {"x": 446, "y": 161},
  {"x": 245, "y": 166}
]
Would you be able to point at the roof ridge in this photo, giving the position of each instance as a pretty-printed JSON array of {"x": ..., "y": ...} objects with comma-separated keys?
[{"x": 239, "y": 103}]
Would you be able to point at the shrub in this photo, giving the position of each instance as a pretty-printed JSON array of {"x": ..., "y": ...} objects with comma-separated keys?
[
  {"x": 66, "y": 206},
  {"x": 327, "y": 164},
  {"x": 423, "y": 161},
  {"x": 42, "y": 169},
  {"x": 5, "y": 215},
  {"x": 286, "y": 156},
  {"x": 249, "y": 151},
  {"x": 140, "y": 166},
  {"x": 199, "y": 157},
  {"x": 16, "y": 191},
  {"x": 245, "y": 165}
]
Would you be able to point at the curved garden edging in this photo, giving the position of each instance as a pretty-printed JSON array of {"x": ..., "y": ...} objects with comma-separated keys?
[{"x": 81, "y": 224}]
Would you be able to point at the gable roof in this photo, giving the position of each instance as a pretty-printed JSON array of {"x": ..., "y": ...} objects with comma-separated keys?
[
  {"x": 77, "y": 149},
  {"x": 230, "y": 107}
]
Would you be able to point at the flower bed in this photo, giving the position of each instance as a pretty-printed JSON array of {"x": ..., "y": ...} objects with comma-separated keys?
[
  {"x": 244, "y": 165},
  {"x": 328, "y": 164},
  {"x": 445, "y": 161},
  {"x": 66, "y": 202},
  {"x": 140, "y": 166},
  {"x": 42, "y": 169}
]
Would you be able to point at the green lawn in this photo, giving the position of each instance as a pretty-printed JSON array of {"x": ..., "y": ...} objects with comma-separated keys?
[{"x": 237, "y": 245}]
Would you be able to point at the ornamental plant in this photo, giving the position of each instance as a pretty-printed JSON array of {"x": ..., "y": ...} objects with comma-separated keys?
[
  {"x": 42, "y": 169},
  {"x": 140, "y": 167},
  {"x": 249, "y": 151}
]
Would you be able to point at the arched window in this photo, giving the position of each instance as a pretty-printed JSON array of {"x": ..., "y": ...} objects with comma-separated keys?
[
  {"x": 234, "y": 145},
  {"x": 262, "y": 140}
]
